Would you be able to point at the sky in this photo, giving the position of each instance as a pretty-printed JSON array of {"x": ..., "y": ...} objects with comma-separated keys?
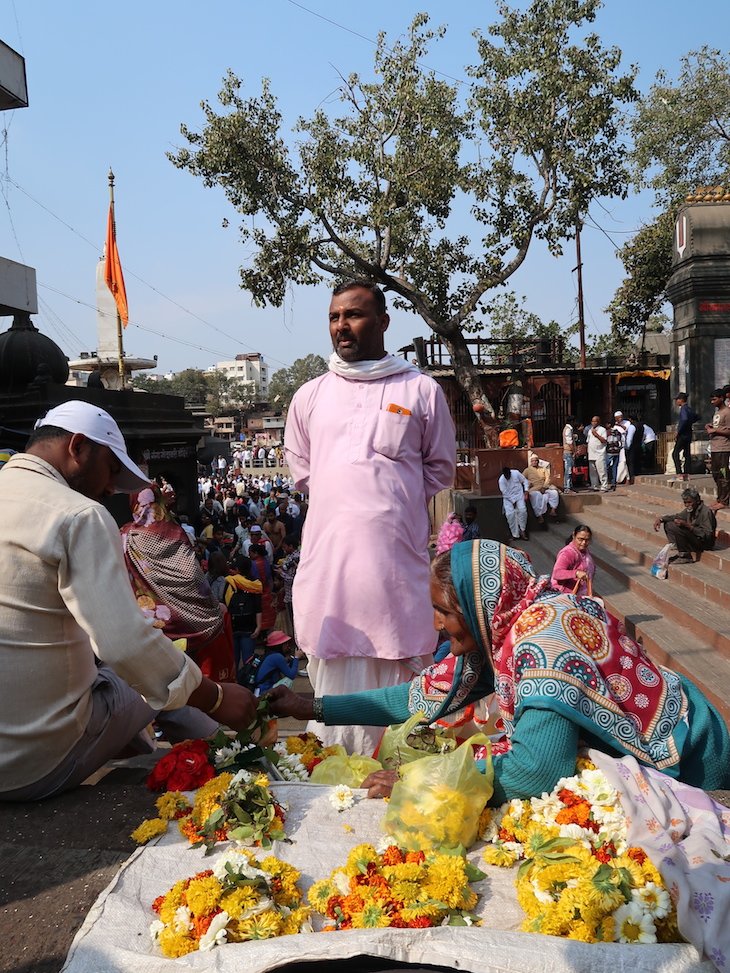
[{"x": 109, "y": 86}]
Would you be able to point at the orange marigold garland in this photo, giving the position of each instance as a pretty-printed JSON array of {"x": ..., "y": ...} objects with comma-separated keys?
[{"x": 398, "y": 888}]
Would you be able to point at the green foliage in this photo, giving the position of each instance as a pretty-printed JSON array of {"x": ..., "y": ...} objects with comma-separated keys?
[
  {"x": 212, "y": 391},
  {"x": 143, "y": 381},
  {"x": 611, "y": 344},
  {"x": 647, "y": 260},
  {"x": 681, "y": 140},
  {"x": 682, "y": 128},
  {"x": 510, "y": 319},
  {"x": 523, "y": 148},
  {"x": 286, "y": 381}
]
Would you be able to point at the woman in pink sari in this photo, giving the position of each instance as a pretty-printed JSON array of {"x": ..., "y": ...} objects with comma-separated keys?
[
  {"x": 171, "y": 589},
  {"x": 574, "y": 567}
]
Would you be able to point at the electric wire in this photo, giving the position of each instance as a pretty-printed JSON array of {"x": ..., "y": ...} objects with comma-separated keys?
[
  {"x": 363, "y": 37},
  {"x": 236, "y": 341}
]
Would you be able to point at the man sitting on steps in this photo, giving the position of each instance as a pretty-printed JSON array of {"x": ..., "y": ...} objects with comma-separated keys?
[{"x": 692, "y": 530}]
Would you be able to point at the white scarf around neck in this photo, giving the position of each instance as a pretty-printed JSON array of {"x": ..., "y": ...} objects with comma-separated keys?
[{"x": 366, "y": 371}]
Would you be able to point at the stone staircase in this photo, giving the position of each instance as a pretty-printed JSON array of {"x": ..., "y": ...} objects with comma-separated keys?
[{"x": 683, "y": 621}]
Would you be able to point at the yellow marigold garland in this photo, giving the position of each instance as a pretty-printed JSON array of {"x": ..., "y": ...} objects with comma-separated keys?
[
  {"x": 240, "y": 899},
  {"x": 578, "y": 878},
  {"x": 238, "y": 807}
]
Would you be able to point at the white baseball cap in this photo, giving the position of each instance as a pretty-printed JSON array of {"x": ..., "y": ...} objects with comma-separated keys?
[
  {"x": 617, "y": 414},
  {"x": 98, "y": 426}
]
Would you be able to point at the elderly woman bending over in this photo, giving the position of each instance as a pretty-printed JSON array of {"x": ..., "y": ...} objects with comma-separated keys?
[{"x": 556, "y": 664}]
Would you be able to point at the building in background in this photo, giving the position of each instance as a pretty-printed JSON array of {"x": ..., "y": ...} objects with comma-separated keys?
[{"x": 249, "y": 369}]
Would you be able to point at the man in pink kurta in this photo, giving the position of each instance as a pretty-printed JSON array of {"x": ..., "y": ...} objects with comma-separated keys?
[{"x": 373, "y": 442}]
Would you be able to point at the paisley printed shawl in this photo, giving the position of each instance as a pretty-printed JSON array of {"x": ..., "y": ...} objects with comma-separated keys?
[
  {"x": 558, "y": 652},
  {"x": 447, "y": 686}
]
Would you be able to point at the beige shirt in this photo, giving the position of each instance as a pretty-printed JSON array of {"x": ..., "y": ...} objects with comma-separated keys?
[
  {"x": 538, "y": 477},
  {"x": 65, "y": 600}
]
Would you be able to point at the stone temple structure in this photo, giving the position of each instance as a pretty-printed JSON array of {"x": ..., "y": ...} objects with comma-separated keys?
[
  {"x": 699, "y": 290},
  {"x": 161, "y": 435}
]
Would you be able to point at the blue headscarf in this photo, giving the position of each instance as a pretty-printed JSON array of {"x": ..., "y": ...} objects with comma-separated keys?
[{"x": 479, "y": 570}]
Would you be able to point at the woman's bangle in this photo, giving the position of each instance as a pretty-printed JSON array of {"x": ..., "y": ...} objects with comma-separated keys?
[
  {"x": 218, "y": 701},
  {"x": 318, "y": 709}
]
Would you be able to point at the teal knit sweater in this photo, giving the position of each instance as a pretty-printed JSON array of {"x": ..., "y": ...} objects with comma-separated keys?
[{"x": 545, "y": 744}]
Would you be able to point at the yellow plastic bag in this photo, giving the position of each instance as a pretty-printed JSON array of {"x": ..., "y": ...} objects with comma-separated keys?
[
  {"x": 403, "y": 743},
  {"x": 345, "y": 770},
  {"x": 438, "y": 800}
]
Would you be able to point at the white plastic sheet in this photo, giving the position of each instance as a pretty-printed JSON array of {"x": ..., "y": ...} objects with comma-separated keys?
[{"x": 115, "y": 937}]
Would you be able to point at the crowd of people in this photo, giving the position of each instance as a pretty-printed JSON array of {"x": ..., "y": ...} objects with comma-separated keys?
[
  {"x": 246, "y": 538},
  {"x": 602, "y": 456}
]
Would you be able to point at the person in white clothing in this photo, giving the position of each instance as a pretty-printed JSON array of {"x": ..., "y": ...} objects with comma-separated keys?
[
  {"x": 615, "y": 438},
  {"x": 597, "y": 455},
  {"x": 257, "y": 536},
  {"x": 568, "y": 459},
  {"x": 514, "y": 489},
  {"x": 648, "y": 445}
]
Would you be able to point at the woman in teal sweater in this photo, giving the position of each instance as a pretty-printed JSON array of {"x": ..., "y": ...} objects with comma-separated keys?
[{"x": 564, "y": 672}]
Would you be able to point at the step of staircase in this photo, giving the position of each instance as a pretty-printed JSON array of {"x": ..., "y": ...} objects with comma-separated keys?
[
  {"x": 680, "y": 645},
  {"x": 632, "y": 534},
  {"x": 622, "y": 551}
]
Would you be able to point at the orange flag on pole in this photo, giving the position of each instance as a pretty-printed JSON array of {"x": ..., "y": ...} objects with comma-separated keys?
[{"x": 113, "y": 269}]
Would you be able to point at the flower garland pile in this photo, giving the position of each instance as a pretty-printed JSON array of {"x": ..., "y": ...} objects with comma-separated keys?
[
  {"x": 297, "y": 756},
  {"x": 240, "y": 899},
  {"x": 238, "y": 808},
  {"x": 578, "y": 878},
  {"x": 398, "y": 888},
  {"x": 193, "y": 763}
]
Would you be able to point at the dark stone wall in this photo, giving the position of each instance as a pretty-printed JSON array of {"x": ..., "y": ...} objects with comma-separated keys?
[{"x": 699, "y": 290}]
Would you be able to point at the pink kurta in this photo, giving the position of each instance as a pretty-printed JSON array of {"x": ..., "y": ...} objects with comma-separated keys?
[
  {"x": 568, "y": 561},
  {"x": 362, "y": 587}
]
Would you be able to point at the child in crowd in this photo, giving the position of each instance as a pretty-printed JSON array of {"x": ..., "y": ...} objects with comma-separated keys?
[{"x": 277, "y": 668}]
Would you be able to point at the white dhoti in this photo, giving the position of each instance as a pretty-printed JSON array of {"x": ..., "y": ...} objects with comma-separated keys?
[
  {"x": 335, "y": 677},
  {"x": 516, "y": 514},
  {"x": 541, "y": 501},
  {"x": 538, "y": 502}
]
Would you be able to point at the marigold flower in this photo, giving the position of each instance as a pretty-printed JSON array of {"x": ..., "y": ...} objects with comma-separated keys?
[
  {"x": 149, "y": 829},
  {"x": 420, "y": 922},
  {"x": 174, "y": 944},
  {"x": 497, "y": 854},
  {"x": 211, "y": 907},
  {"x": 172, "y": 804},
  {"x": 203, "y": 895}
]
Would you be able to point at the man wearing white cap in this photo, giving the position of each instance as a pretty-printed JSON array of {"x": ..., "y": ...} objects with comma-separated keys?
[{"x": 83, "y": 671}]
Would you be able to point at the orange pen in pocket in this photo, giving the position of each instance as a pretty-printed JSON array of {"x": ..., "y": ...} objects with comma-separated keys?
[{"x": 399, "y": 410}]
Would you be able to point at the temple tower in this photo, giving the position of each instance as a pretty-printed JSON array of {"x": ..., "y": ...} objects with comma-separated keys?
[{"x": 699, "y": 290}]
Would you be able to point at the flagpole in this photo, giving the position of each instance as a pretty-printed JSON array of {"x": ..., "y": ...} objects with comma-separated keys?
[{"x": 120, "y": 346}]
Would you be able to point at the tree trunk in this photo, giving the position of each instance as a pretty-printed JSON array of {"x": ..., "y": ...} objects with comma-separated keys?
[{"x": 468, "y": 377}]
